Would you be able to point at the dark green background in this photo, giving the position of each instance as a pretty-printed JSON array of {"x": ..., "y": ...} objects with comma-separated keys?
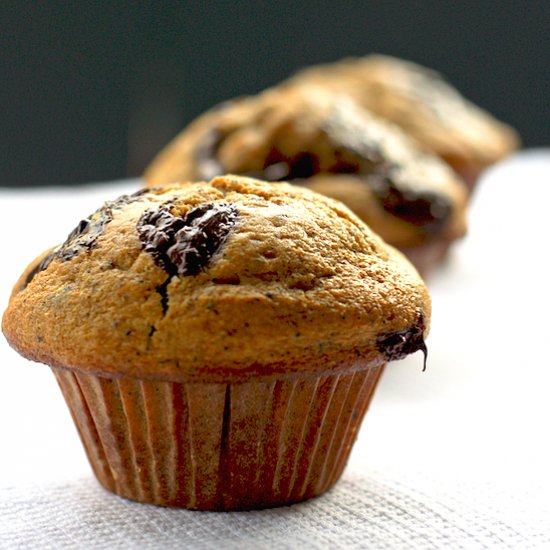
[{"x": 91, "y": 90}]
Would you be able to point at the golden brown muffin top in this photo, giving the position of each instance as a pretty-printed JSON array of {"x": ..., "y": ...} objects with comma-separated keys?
[
  {"x": 316, "y": 138},
  {"x": 208, "y": 280},
  {"x": 421, "y": 102}
]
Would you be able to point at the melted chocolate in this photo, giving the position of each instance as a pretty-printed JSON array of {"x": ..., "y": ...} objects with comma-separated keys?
[
  {"x": 399, "y": 344},
  {"x": 420, "y": 208},
  {"x": 84, "y": 236},
  {"x": 185, "y": 245}
]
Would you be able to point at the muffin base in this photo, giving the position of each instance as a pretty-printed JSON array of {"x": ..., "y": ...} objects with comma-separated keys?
[{"x": 255, "y": 444}]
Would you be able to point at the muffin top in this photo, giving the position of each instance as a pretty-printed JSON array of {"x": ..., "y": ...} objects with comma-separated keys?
[
  {"x": 421, "y": 102},
  {"x": 218, "y": 280},
  {"x": 322, "y": 140}
]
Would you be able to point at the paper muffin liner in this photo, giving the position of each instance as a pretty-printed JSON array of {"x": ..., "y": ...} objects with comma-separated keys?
[{"x": 214, "y": 446}]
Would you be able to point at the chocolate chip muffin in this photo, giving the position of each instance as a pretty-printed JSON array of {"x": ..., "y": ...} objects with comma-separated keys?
[
  {"x": 424, "y": 105},
  {"x": 218, "y": 343},
  {"x": 324, "y": 141}
]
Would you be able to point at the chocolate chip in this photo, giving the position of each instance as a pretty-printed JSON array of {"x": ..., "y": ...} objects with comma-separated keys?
[
  {"x": 85, "y": 234},
  {"x": 399, "y": 344},
  {"x": 185, "y": 245},
  {"x": 81, "y": 228},
  {"x": 423, "y": 209}
]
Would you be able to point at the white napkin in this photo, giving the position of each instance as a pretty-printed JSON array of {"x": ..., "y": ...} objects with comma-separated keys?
[
  {"x": 455, "y": 457},
  {"x": 366, "y": 510}
]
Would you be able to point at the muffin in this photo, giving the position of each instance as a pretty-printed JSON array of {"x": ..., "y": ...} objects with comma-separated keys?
[
  {"x": 324, "y": 141},
  {"x": 424, "y": 105},
  {"x": 218, "y": 343}
]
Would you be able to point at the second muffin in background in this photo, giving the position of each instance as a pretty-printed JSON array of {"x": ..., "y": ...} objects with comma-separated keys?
[{"x": 324, "y": 141}]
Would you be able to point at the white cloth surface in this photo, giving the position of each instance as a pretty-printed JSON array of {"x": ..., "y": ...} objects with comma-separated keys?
[{"x": 454, "y": 457}]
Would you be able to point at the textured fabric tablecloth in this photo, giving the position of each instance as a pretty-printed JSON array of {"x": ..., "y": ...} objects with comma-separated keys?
[{"x": 454, "y": 457}]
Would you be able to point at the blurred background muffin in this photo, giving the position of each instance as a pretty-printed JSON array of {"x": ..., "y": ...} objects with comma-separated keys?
[{"x": 312, "y": 137}]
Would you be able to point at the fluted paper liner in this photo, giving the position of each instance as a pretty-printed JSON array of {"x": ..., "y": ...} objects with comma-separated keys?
[{"x": 218, "y": 446}]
